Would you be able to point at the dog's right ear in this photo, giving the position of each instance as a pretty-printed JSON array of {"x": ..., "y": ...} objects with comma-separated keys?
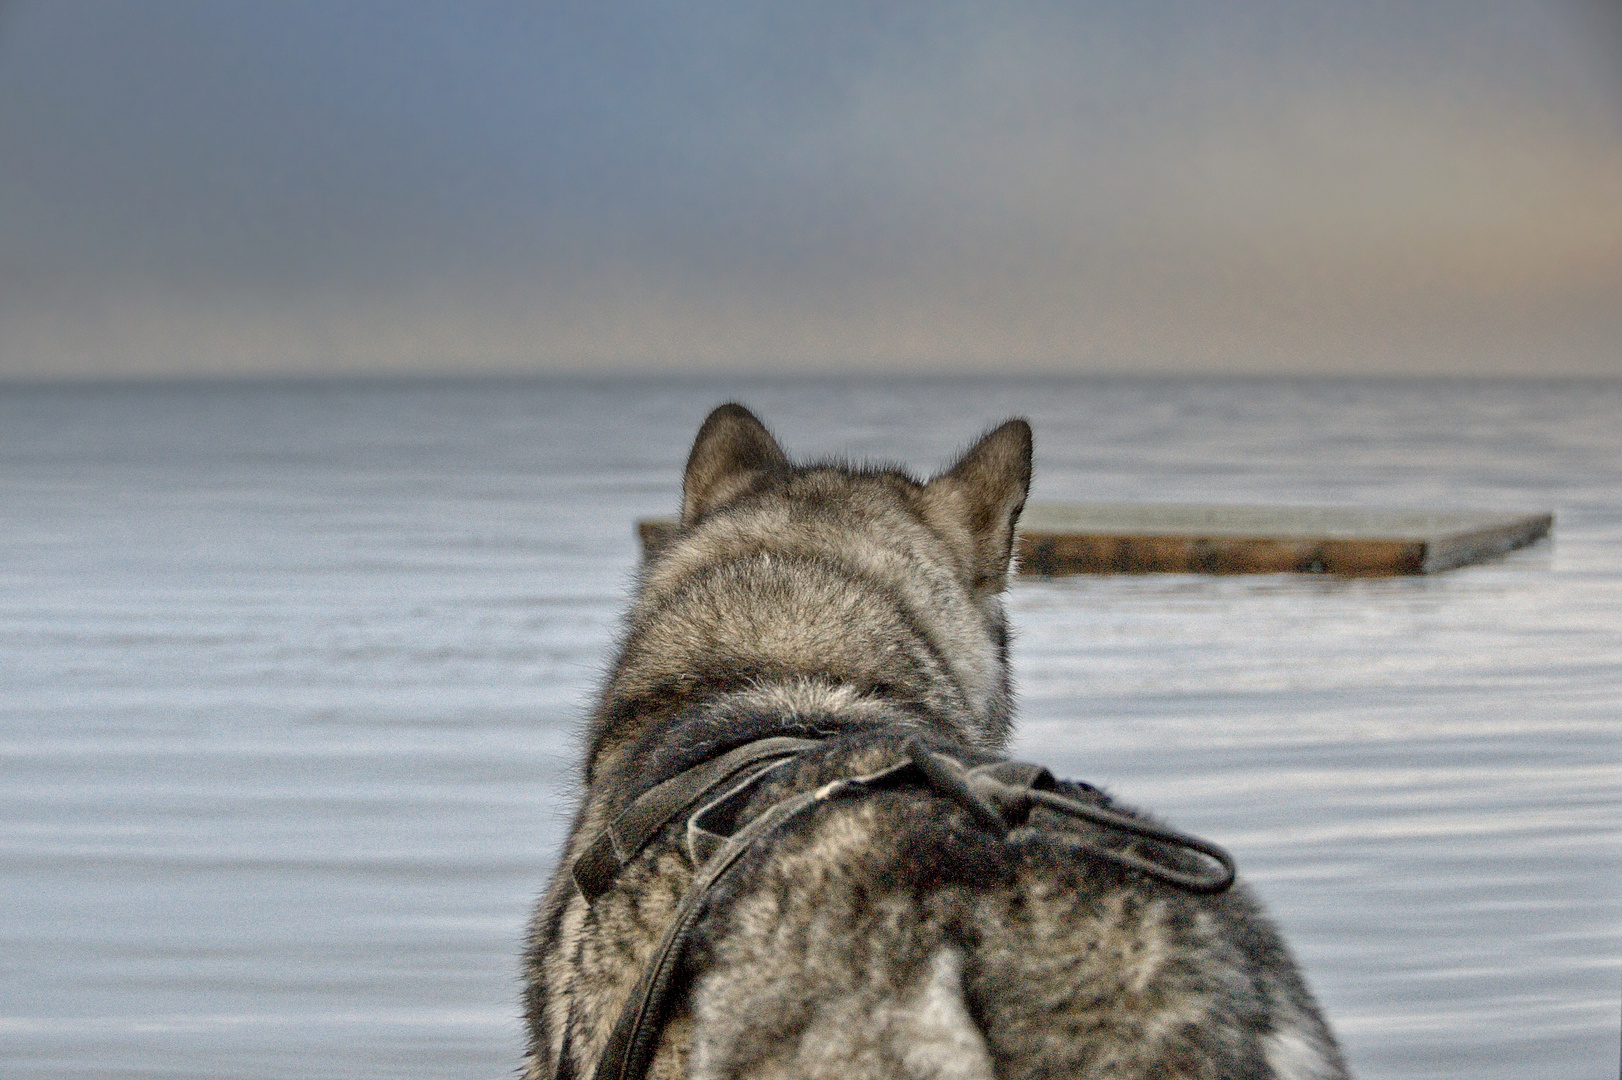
[
  {"x": 731, "y": 450},
  {"x": 980, "y": 499}
]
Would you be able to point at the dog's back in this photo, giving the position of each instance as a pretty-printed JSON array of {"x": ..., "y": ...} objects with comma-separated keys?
[{"x": 890, "y": 935}]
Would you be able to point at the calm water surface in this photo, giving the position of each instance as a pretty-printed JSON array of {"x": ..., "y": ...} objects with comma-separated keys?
[{"x": 290, "y": 677}]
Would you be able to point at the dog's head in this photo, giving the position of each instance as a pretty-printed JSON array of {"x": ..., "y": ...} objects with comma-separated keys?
[
  {"x": 857, "y": 576},
  {"x": 973, "y": 506}
]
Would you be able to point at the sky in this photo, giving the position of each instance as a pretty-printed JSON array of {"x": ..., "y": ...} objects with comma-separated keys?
[{"x": 281, "y": 188}]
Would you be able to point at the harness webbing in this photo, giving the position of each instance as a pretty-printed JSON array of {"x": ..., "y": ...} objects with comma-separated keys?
[
  {"x": 595, "y": 868},
  {"x": 1000, "y": 796}
]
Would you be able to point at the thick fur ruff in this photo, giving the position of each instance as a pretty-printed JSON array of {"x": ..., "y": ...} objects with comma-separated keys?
[{"x": 887, "y": 936}]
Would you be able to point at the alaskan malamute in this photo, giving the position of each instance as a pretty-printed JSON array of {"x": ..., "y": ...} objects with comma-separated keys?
[{"x": 799, "y": 853}]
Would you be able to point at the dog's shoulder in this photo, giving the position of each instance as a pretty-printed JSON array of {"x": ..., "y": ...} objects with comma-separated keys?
[{"x": 881, "y": 925}]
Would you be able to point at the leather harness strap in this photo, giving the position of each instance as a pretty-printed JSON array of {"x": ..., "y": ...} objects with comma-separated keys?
[
  {"x": 635, "y": 1036},
  {"x": 595, "y": 868},
  {"x": 1000, "y": 796}
]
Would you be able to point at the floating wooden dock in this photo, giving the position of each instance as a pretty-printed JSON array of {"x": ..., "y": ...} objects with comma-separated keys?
[
  {"x": 1148, "y": 538},
  {"x": 1164, "y": 538}
]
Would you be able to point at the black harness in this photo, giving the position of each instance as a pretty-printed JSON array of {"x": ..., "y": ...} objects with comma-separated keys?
[{"x": 999, "y": 796}]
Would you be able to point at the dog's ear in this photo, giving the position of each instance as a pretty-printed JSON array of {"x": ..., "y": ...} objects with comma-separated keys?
[
  {"x": 981, "y": 496},
  {"x": 731, "y": 449}
]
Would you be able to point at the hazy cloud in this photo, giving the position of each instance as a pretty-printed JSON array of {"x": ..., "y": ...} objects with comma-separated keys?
[{"x": 217, "y": 187}]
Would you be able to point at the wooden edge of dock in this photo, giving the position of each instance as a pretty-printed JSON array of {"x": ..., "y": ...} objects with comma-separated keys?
[{"x": 1352, "y": 546}]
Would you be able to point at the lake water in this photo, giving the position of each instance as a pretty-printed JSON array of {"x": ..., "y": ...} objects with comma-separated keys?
[{"x": 290, "y": 676}]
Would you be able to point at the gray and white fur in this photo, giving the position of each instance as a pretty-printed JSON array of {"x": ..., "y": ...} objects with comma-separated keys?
[{"x": 887, "y": 936}]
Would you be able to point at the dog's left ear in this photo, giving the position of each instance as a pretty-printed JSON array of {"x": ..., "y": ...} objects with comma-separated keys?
[
  {"x": 731, "y": 450},
  {"x": 981, "y": 496}
]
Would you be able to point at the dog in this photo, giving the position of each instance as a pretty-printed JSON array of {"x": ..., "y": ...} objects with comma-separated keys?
[{"x": 855, "y": 612}]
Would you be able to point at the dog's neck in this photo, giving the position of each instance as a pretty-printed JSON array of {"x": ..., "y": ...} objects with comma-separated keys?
[{"x": 805, "y": 708}]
